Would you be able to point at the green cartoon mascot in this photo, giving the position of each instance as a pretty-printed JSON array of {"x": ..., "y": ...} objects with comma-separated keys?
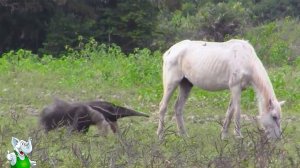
[{"x": 19, "y": 158}]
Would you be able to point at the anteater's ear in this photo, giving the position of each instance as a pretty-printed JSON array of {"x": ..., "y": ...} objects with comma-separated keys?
[
  {"x": 281, "y": 103},
  {"x": 14, "y": 141}
]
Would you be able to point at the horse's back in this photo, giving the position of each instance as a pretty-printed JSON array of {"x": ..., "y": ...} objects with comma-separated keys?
[
  {"x": 209, "y": 65},
  {"x": 201, "y": 52}
]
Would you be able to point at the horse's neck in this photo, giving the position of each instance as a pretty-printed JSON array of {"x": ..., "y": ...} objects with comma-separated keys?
[{"x": 263, "y": 87}]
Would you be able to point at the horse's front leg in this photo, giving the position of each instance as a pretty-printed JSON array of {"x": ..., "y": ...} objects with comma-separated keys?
[
  {"x": 227, "y": 120},
  {"x": 236, "y": 100},
  {"x": 237, "y": 118},
  {"x": 234, "y": 107}
]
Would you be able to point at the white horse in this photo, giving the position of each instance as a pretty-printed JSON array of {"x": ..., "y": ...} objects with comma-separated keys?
[{"x": 217, "y": 66}]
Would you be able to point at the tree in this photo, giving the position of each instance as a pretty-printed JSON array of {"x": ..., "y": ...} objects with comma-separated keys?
[
  {"x": 23, "y": 23},
  {"x": 128, "y": 23},
  {"x": 216, "y": 21}
]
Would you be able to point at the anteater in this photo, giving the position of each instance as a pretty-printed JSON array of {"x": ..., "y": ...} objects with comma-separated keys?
[{"x": 80, "y": 115}]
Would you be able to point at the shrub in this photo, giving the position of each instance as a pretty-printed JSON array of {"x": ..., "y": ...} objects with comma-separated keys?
[
  {"x": 216, "y": 21},
  {"x": 270, "y": 46}
]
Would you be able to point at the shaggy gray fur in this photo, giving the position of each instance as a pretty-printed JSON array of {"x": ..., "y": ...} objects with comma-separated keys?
[{"x": 79, "y": 116}]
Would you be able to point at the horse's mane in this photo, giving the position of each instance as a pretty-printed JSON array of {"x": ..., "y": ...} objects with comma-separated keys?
[{"x": 261, "y": 83}]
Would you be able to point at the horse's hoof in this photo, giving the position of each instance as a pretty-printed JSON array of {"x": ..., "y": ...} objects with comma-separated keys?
[
  {"x": 183, "y": 135},
  {"x": 224, "y": 136},
  {"x": 161, "y": 137},
  {"x": 239, "y": 136}
]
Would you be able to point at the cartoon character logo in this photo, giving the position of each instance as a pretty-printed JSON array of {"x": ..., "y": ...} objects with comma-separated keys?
[{"x": 19, "y": 158}]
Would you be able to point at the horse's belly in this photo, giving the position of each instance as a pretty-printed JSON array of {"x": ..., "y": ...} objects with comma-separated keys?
[
  {"x": 211, "y": 85},
  {"x": 212, "y": 81}
]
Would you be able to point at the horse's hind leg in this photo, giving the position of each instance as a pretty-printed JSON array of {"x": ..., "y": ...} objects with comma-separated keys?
[
  {"x": 171, "y": 79},
  {"x": 168, "y": 91},
  {"x": 184, "y": 89}
]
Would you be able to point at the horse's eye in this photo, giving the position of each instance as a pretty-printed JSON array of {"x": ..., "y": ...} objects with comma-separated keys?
[{"x": 275, "y": 118}]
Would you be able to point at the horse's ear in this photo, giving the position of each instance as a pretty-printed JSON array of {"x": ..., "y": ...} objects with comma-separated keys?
[
  {"x": 281, "y": 103},
  {"x": 271, "y": 104}
]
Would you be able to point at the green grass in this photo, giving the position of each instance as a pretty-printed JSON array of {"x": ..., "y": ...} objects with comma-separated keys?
[{"x": 28, "y": 83}]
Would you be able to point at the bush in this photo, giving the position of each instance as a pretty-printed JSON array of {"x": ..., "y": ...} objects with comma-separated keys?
[
  {"x": 270, "y": 46},
  {"x": 216, "y": 21},
  {"x": 211, "y": 22},
  {"x": 66, "y": 30},
  {"x": 271, "y": 10}
]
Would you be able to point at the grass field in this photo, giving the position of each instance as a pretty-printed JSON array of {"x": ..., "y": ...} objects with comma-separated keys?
[{"x": 28, "y": 83}]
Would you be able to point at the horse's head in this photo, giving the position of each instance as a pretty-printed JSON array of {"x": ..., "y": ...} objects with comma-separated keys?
[{"x": 270, "y": 119}]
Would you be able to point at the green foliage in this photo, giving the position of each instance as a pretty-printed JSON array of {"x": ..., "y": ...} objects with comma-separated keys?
[
  {"x": 130, "y": 24},
  {"x": 23, "y": 24},
  {"x": 89, "y": 70},
  {"x": 99, "y": 71},
  {"x": 66, "y": 29},
  {"x": 209, "y": 21},
  {"x": 270, "y": 46},
  {"x": 216, "y": 21},
  {"x": 270, "y": 10},
  {"x": 51, "y": 25},
  {"x": 46, "y": 27}
]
